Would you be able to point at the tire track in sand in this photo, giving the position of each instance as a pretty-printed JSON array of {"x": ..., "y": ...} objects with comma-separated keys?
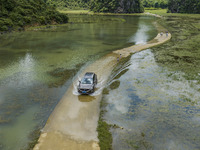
[{"x": 73, "y": 123}]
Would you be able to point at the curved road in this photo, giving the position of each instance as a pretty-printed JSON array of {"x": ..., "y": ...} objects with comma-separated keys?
[{"x": 73, "y": 123}]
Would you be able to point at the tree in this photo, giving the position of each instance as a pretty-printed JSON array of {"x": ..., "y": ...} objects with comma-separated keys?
[
  {"x": 20, "y": 13},
  {"x": 117, "y": 6},
  {"x": 184, "y": 6}
]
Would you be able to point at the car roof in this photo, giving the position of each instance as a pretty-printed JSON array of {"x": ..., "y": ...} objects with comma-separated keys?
[{"x": 89, "y": 75}]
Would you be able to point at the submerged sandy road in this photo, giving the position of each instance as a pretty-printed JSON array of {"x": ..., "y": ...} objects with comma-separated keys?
[{"x": 72, "y": 125}]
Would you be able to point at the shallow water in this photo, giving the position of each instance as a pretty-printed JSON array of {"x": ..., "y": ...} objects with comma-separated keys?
[
  {"x": 155, "y": 108},
  {"x": 37, "y": 67}
]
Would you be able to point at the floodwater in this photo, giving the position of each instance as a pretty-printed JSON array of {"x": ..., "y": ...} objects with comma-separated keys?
[
  {"x": 153, "y": 107},
  {"x": 37, "y": 67}
]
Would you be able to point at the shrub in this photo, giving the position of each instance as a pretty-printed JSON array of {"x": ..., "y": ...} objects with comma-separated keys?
[
  {"x": 16, "y": 13},
  {"x": 3, "y": 28}
]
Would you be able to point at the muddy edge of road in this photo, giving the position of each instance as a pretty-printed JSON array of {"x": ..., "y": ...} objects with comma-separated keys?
[{"x": 73, "y": 123}]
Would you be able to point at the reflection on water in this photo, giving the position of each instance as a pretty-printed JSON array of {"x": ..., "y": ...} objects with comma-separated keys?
[
  {"x": 140, "y": 37},
  {"x": 158, "y": 109},
  {"x": 37, "y": 67}
]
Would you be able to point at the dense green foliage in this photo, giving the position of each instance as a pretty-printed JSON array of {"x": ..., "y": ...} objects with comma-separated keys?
[
  {"x": 155, "y": 3},
  {"x": 71, "y": 4},
  {"x": 117, "y": 6},
  {"x": 17, "y": 14},
  {"x": 125, "y": 6},
  {"x": 21, "y": 13},
  {"x": 184, "y": 6}
]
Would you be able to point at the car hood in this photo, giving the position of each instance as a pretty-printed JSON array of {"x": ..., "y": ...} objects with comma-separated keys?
[{"x": 85, "y": 86}]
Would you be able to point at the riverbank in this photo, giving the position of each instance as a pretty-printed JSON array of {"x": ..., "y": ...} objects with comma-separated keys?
[{"x": 73, "y": 123}]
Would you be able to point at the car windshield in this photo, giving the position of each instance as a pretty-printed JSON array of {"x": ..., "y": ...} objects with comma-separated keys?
[{"x": 86, "y": 81}]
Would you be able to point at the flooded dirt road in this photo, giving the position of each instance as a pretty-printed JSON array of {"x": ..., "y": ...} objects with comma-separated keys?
[{"x": 73, "y": 123}]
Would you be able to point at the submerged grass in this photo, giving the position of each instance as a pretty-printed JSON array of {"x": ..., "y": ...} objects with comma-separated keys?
[
  {"x": 63, "y": 75},
  {"x": 103, "y": 129},
  {"x": 34, "y": 136},
  {"x": 182, "y": 52}
]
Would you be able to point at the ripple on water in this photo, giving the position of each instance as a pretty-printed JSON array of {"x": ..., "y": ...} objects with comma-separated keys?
[{"x": 157, "y": 108}]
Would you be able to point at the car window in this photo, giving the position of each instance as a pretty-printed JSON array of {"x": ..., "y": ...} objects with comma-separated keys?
[{"x": 86, "y": 81}]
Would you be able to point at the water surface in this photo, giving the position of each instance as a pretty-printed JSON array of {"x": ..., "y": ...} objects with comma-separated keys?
[
  {"x": 156, "y": 108},
  {"x": 37, "y": 67}
]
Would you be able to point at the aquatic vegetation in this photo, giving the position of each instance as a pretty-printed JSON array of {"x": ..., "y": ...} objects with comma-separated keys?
[
  {"x": 156, "y": 105},
  {"x": 105, "y": 91},
  {"x": 103, "y": 129},
  {"x": 7, "y": 115},
  {"x": 63, "y": 75},
  {"x": 34, "y": 136},
  {"x": 3, "y": 120},
  {"x": 114, "y": 85},
  {"x": 182, "y": 53},
  {"x": 38, "y": 67}
]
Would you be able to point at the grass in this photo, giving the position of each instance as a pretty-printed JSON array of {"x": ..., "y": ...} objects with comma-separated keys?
[
  {"x": 182, "y": 52},
  {"x": 70, "y": 11},
  {"x": 103, "y": 129},
  {"x": 163, "y": 12},
  {"x": 156, "y": 11}
]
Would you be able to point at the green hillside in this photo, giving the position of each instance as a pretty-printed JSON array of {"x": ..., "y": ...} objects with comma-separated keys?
[
  {"x": 117, "y": 6},
  {"x": 184, "y": 6},
  {"x": 155, "y": 3},
  {"x": 70, "y": 4},
  {"x": 113, "y": 6},
  {"x": 17, "y": 14}
]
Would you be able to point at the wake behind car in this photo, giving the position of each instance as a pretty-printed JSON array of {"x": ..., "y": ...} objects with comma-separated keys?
[{"x": 88, "y": 83}]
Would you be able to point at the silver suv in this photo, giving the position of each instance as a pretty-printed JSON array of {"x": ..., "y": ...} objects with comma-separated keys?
[{"x": 88, "y": 83}]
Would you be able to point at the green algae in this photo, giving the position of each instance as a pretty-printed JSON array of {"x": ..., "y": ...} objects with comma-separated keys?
[
  {"x": 182, "y": 52},
  {"x": 105, "y": 91},
  {"x": 33, "y": 136},
  {"x": 115, "y": 85},
  {"x": 62, "y": 75},
  {"x": 170, "y": 123},
  {"x": 103, "y": 129},
  {"x": 3, "y": 120}
]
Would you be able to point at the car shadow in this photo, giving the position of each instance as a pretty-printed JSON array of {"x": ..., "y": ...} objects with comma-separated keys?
[{"x": 86, "y": 98}]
